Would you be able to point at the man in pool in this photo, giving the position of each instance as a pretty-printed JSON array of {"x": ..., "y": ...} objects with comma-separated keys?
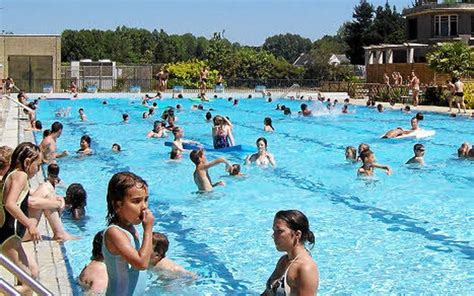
[
  {"x": 48, "y": 144},
  {"x": 201, "y": 174},
  {"x": 419, "y": 150},
  {"x": 394, "y": 133}
]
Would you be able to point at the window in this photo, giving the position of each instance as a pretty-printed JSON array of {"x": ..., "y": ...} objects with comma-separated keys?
[
  {"x": 472, "y": 24},
  {"x": 413, "y": 29},
  {"x": 446, "y": 25}
]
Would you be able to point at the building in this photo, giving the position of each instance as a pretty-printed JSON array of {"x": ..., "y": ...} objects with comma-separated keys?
[
  {"x": 428, "y": 23},
  {"x": 33, "y": 61},
  {"x": 337, "y": 59}
]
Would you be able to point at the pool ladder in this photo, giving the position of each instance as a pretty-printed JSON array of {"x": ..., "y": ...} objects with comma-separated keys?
[
  {"x": 295, "y": 87},
  {"x": 24, "y": 277}
]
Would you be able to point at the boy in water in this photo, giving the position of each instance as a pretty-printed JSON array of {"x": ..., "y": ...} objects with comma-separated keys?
[
  {"x": 368, "y": 164},
  {"x": 94, "y": 277},
  {"x": 201, "y": 175},
  {"x": 351, "y": 153},
  {"x": 177, "y": 146},
  {"x": 234, "y": 170},
  {"x": 419, "y": 150},
  {"x": 82, "y": 115},
  {"x": 159, "y": 263}
]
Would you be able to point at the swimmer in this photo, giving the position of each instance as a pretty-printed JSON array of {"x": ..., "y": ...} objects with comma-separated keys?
[
  {"x": 368, "y": 164},
  {"x": 76, "y": 201},
  {"x": 158, "y": 131},
  {"x": 414, "y": 124},
  {"x": 380, "y": 108},
  {"x": 82, "y": 115},
  {"x": 208, "y": 116},
  {"x": 262, "y": 157},
  {"x": 407, "y": 109},
  {"x": 94, "y": 277},
  {"x": 201, "y": 174},
  {"x": 48, "y": 144},
  {"x": 296, "y": 272},
  {"x": 362, "y": 147},
  {"x": 145, "y": 115},
  {"x": 177, "y": 146},
  {"x": 116, "y": 147},
  {"x": 267, "y": 125},
  {"x": 287, "y": 111},
  {"x": 236, "y": 102},
  {"x": 37, "y": 126},
  {"x": 234, "y": 170},
  {"x": 351, "y": 153},
  {"x": 85, "y": 146},
  {"x": 345, "y": 109},
  {"x": 125, "y": 117},
  {"x": 394, "y": 133},
  {"x": 167, "y": 268},
  {"x": 419, "y": 151},
  {"x": 465, "y": 151},
  {"x": 305, "y": 111}
]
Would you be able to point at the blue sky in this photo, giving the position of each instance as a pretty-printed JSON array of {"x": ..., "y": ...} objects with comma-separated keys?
[{"x": 245, "y": 21}]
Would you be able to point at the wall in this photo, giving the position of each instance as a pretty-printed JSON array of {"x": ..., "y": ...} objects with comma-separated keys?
[
  {"x": 31, "y": 45},
  {"x": 426, "y": 75}
]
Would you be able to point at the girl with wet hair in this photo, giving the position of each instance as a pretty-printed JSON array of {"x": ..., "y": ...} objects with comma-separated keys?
[
  {"x": 296, "y": 273},
  {"x": 267, "y": 125}
]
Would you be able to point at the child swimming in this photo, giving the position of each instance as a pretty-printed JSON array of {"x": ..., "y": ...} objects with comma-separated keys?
[
  {"x": 94, "y": 277},
  {"x": 368, "y": 164},
  {"x": 126, "y": 259},
  {"x": 351, "y": 153},
  {"x": 159, "y": 263},
  {"x": 201, "y": 174},
  {"x": 76, "y": 201},
  {"x": 85, "y": 144},
  {"x": 234, "y": 170}
]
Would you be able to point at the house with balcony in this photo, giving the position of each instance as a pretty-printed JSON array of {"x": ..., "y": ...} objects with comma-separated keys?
[{"x": 428, "y": 23}]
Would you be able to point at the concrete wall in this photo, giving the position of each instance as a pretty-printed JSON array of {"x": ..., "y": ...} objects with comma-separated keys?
[{"x": 31, "y": 45}]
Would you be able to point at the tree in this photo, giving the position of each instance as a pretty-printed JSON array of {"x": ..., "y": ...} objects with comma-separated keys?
[
  {"x": 288, "y": 46},
  {"x": 455, "y": 58},
  {"x": 219, "y": 52}
]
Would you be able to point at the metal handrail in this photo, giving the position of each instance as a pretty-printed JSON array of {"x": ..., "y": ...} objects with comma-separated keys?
[
  {"x": 7, "y": 289},
  {"x": 24, "y": 277},
  {"x": 18, "y": 103}
]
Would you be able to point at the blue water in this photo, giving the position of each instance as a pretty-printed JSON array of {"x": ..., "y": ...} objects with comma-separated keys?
[{"x": 409, "y": 233}]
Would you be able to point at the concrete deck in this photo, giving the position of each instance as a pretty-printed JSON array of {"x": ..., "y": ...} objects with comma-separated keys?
[{"x": 53, "y": 272}]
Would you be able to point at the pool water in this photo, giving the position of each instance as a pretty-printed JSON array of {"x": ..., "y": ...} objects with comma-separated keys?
[{"x": 408, "y": 233}]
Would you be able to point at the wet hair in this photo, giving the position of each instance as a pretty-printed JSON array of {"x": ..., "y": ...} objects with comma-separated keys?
[
  {"x": 303, "y": 107},
  {"x": 268, "y": 121},
  {"x": 195, "y": 155},
  {"x": 81, "y": 109},
  {"x": 104, "y": 103},
  {"x": 160, "y": 244},
  {"x": 179, "y": 107},
  {"x": 180, "y": 96},
  {"x": 38, "y": 125},
  {"x": 353, "y": 152},
  {"x": 234, "y": 169},
  {"x": 372, "y": 103},
  {"x": 262, "y": 139},
  {"x": 365, "y": 154},
  {"x": 53, "y": 170},
  {"x": 229, "y": 99},
  {"x": 5, "y": 157},
  {"x": 118, "y": 186},
  {"x": 362, "y": 147},
  {"x": 76, "y": 196},
  {"x": 418, "y": 147},
  {"x": 208, "y": 116},
  {"x": 124, "y": 116},
  {"x": 87, "y": 139},
  {"x": 380, "y": 107},
  {"x": 419, "y": 116},
  {"x": 154, "y": 104},
  {"x": 145, "y": 114},
  {"x": 46, "y": 133},
  {"x": 407, "y": 108},
  {"x": 56, "y": 127},
  {"x": 249, "y": 96},
  {"x": 97, "y": 246},
  {"x": 215, "y": 96},
  {"x": 200, "y": 107},
  {"x": 236, "y": 102},
  {"x": 287, "y": 111},
  {"x": 175, "y": 130},
  {"x": 297, "y": 221},
  {"x": 117, "y": 145},
  {"x": 23, "y": 151}
]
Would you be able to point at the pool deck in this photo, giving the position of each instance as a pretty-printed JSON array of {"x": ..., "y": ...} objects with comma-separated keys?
[{"x": 53, "y": 272}]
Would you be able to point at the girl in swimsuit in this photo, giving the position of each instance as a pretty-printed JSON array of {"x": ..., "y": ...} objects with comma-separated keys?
[
  {"x": 262, "y": 157},
  {"x": 267, "y": 125},
  {"x": 125, "y": 257},
  {"x": 296, "y": 273},
  {"x": 14, "y": 221},
  {"x": 222, "y": 133},
  {"x": 177, "y": 146}
]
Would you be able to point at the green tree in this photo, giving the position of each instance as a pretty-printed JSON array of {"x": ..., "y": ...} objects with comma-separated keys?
[
  {"x": 219, "y": 52},
  {"x": 288, "y": 46},
  {"x": 455, "y": 58}
]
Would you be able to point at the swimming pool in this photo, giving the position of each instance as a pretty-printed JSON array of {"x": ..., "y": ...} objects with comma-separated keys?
[{"x": 409, "y": 233}]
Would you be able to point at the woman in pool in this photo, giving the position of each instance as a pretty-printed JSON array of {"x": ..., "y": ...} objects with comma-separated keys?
[
  {"x": 267, "y": 125},
  {"x": 222, "y": 133},
  {"x": 85, "y": 145},
  {"x": 76, "y": 201},
  {"x": 262, "y": 157},
  {"x": 296, "y": 273},
  {"x": 158, "y": 131}
]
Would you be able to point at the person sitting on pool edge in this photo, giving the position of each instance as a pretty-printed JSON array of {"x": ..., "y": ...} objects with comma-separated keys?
[
  {"x": 201, "y": 174},
  {"x": 419, "y": 151},
  {"x": 368, "y": 164},
  {"x": 167, "y": 268},
  {"x": 262, "y": 157}
]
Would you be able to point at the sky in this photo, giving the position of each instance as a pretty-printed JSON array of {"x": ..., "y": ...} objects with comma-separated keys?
[{"x": 245, "y": 21}]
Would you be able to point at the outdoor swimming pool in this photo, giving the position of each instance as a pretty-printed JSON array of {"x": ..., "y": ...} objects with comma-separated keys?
[{"x": 409, "y": 233}]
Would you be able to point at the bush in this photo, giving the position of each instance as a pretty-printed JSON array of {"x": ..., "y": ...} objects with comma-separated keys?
[
  {"x": 435, "y": 95},
  {"x": 187, "y": 74},
  {"x": 469, "y": 94}
]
